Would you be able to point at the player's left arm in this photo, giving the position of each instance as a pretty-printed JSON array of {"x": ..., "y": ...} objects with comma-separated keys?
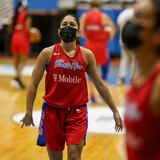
[
  {"x": 101, "y": 87},
  {"x": 155, "y": 97},
  {"x": 109, "y": 27}
]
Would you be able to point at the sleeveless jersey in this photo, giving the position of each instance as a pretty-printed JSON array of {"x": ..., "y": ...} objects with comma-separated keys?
[
  {"x": 20, "y": 37},
  {"x": 142, "y": 126},
  {"x": 21, "y": 18},
  {"x": 65, "y": 84},
  {"x": 20, "y": 22},
  {"x": 95, "y": 35}
]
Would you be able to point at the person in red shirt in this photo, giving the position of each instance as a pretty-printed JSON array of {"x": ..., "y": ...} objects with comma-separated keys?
[
  {"x": 142, "y": 116},
  {"x": 97, "y": 29},
  {"x": 66, "y": 96},
  {"x": 20, "y": 44}
]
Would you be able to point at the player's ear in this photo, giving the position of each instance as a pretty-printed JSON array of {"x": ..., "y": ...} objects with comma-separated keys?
[
  {"x": 58, "y": 33},
  {"x": 79, "y": 33},
  {"x": 156, "y": 40},
  {"x": 157, "y": 37}
]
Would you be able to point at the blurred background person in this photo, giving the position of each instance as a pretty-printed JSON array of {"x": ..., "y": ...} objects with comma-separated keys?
[
  {"x": 97, "y": 28},
  {"x": 142, "y": 117},
  {"x": 20, "y": 44},
  {"x": 127, "y": 62}
]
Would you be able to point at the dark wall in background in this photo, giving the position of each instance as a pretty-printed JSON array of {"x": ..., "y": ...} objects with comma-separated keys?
[{"x": 48, "y": 25}]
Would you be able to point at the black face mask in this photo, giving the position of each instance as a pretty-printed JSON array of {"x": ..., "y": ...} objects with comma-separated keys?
[
  {"x": 130, "y": 35},
  {"x": 68, "y": 34}
]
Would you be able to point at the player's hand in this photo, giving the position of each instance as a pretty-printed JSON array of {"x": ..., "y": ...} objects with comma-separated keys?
[
  {"x": 27, "y": 120},
  {"x": 118, "y": 121}
]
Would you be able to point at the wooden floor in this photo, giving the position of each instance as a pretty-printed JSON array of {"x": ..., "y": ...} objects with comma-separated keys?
[{"x": 20, "y": 144}]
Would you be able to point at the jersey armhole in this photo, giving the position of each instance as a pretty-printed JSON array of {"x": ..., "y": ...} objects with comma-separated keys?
[{"x": 83, "y": 56}]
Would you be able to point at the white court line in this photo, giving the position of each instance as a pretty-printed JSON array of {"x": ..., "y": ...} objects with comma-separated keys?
[
  {"x": 100, "y": 119},
  {"x": 8, "y": 70}
]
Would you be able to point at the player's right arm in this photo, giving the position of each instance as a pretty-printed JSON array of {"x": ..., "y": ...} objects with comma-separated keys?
[
  {"x": 36, "y": 77},
  {"x": 109, "y": 26}
]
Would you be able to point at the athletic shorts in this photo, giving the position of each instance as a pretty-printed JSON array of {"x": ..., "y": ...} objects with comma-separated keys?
[
  {"x": 19, "y": 43},
  {"x": 64, "y": 125}
]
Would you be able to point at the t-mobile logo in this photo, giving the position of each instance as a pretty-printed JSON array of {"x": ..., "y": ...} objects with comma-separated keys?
[
  {"x": 66, "y": 79},
  {"x": 55, "y": 77}
]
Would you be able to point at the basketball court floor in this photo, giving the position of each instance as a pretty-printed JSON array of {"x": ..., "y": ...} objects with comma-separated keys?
[{"x": 20, "y": 144}]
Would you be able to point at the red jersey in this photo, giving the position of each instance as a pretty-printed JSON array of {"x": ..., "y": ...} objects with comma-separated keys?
[
  {"x": 65, "y": 84},
  {"x": 142, "y": 126},
  {"x": 95, "y": 35},
  {"x": 20, "y": 37},
  {"x": 21, "y": 20}
]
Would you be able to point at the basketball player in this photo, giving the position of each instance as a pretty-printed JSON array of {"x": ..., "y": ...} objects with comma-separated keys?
[
  {"x": 97, "y": 28},
  {"x": 65, "y": 118},
  {"x": 20, "y": 40},
  {"x": 142, "y": 117},
  {"x": 127, "y": 62}
]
